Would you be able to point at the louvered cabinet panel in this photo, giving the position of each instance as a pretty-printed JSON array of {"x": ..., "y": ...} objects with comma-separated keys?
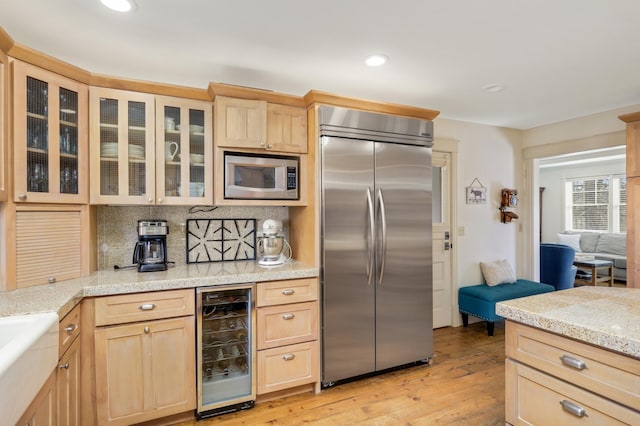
[{"x": 48, "y": 246}]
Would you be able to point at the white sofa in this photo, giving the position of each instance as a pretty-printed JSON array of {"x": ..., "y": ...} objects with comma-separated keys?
[{"x": 605, "y": 246}]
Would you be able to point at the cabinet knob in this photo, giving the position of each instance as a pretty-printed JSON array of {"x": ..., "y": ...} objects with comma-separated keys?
[
  {"x": 22, "y": 197},
  {"x": 269, "y": 146},
  {"x": 65, "y": 366},
  {"x": 288, "y": 357},
  {"x": 159, "y": 200},
  {"x": 147, "y": 329},
  {"x": 288, "y": 291},
  {"x": 288, "y": 316},
  {"x": 150, "y": 200},
  {"x": 572, "y": 362},
  {"x": 70, "y": 328},
  {"x": 261, "y": 143},
  {"x": 52, "y": 280}
]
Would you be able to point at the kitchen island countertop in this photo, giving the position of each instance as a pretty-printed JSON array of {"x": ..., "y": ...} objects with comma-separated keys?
[
  {"x": 602, "y": 316},
  {"x": 61, "y": 297}
]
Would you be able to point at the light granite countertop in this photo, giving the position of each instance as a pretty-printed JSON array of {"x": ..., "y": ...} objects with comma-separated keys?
[
  {"x": 61, "y": 297},
  {"x": 603, "y": 316}
]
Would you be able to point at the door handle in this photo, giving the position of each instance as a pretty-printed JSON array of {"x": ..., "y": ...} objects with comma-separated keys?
[
  {"x": 383, "y": 220},
  {"x": 372, "y": 236}
]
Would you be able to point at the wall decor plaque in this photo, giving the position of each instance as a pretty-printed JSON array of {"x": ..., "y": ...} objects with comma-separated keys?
[{"x": 476, "y": 193}]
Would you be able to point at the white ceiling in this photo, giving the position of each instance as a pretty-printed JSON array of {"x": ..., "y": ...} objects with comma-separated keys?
[{"x": 558, "y": 59}]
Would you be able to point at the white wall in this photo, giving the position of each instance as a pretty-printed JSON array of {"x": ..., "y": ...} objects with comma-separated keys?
[
  {"x": 493, "y": 155},
  {"x": 553, "y": 180}
]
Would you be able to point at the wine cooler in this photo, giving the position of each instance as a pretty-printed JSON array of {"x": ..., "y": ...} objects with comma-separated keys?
[{"x": 226, "y": 349}]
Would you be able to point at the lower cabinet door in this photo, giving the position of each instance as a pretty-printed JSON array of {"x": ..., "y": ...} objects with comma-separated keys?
[
  {"x": 145, "y": 370},
  {"x": 287, "y": 367},
  {"x": 42, "y": 411},
  {"x": 68, "y": 385},
  {"x": 535, "y": 398}
]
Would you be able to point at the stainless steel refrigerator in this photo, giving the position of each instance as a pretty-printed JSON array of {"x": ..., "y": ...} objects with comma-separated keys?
[{"x": 376, "y": 272}]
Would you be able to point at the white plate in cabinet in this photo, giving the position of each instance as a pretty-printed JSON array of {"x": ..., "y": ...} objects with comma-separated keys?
[
  {"x": 287, "y": 367},
  {"x": 287, "y": 324},
  {"x": 288, "y": 291},
  {"x": 604, "y": 372},
  {"x": 535, "y": 398}
]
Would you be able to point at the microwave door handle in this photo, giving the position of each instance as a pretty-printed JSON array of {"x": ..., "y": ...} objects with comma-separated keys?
[{"x": 370, "y": 237}]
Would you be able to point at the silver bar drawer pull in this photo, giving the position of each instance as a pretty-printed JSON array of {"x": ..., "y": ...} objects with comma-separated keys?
[
  {"x": 572, "y": 362},
  {"x": 70, "y": 328},
  {"x": 288, "y": 357},
  {"x": 574, "y": 409},
  {"x": 288, "y": 316},
  {"x": 288, "y": 291},
  {"x": 147, "y": 307}
]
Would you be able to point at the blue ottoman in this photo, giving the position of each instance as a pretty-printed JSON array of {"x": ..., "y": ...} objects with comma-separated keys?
[{"x": 480, "y": 300}]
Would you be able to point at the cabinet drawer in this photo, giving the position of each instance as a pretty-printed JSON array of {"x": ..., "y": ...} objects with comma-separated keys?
[
  {"x": 289, "y": 291},
  {"x": 143, "y": 306},
  {"x": 604, "y": 372},
  {"x": 69, "y": 329},
  {"x": 287, "y": 367},
  {"x": 287, "y": 324},
  {"x": 535, "y": 398}
]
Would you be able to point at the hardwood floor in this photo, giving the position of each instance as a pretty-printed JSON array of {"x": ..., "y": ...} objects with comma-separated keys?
[{"x": 463, "y": 386}]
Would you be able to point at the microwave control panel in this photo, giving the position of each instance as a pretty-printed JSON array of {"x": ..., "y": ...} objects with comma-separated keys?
[{"x": 292, "y": 178}]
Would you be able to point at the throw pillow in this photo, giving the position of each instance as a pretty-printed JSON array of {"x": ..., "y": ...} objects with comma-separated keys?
[
  {"x": 571, "y": 240},
  {"x": 498, "y": 272}
]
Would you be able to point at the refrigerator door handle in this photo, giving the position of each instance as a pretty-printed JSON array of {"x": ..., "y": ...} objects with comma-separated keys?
[
  {"x": 371, "y": 239},
  {"x": 383, "y": 220}
]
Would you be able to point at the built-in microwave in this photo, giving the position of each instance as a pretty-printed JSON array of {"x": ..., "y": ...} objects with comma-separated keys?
[{"x": 261, "y": 177}]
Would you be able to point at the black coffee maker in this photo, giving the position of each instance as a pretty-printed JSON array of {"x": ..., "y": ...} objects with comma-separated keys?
[{"x": 150, "y": 252}]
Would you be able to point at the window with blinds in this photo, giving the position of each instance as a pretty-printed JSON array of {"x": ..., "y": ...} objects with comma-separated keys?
[{"x": 596, "y": 204}]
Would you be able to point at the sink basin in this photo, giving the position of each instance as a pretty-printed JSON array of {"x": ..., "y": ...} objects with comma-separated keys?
[{"x": 28, "y": 355}]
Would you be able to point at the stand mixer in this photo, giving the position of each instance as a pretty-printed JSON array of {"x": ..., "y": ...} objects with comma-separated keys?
[{"x": 271, "y": 247}]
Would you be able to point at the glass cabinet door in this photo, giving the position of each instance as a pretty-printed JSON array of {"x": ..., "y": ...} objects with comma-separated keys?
[
  {"x": 51, "y": 148},
  {"x": 122, "y": 152},
  {"x": 184, "y": 151}
]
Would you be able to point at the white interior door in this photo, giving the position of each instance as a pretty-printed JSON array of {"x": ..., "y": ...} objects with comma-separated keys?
[{"x": 442, "y": 240}]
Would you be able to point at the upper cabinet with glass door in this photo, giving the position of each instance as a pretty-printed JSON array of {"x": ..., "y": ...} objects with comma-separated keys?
[
  {"x": 184, "y": 151},
  {"x": 122, "y": 130},
  {"x": 50, "y": 137}
]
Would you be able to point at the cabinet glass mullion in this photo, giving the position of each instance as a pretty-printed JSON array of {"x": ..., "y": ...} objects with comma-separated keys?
[
  {"x": 37, "y": 135},
  {"x": 172, "y": 152},
  {"x": 196, "y": 148},
  {"x": 68, "y": 116},
  {"x": 109, "y": 170},
  {"x": 137, "y": 154}
]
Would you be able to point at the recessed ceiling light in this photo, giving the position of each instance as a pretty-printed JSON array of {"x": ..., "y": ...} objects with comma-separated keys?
[
  {"x": 493, "y": 87},
  {"x": 118, "y": 5},
  {"x": 376, "y": 60}
]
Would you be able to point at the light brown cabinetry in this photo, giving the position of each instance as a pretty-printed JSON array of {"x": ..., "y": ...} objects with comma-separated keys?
[
  {"x": 4, "y": 123},
  {"x": 42, "y": 410},
  {"x": 552, "y": 379},
  {"x": 633, "y": 198},
  {"x": 68, "y": 372},
  {"x": 145, "y": 366},
  {"x": 184, "y": 151},
  {"x": 149, "y": 149},
  {"x": 50, "y": 147},
  {"x": 286, "y": 128},
  {"x": 287, "y": 334},
  {"x": 246, "y": 123},
  {"x": 45, "y": 243}
]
